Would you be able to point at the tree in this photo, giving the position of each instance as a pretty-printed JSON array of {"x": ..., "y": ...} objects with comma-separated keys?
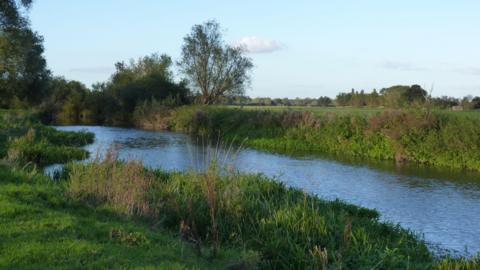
[
  {"x": 415, "y": 94},
  {"x": 10, "y": 16},
  {"x": 324, "y": 101},
  {"x": 213, "y": 68},
  {"x": 147, "y": 78},
  {"x": 476, "y": 103},
  {"x": 64, "y": 101},
  {"x": 401, "y": 95},
  {"x": 23, "y": 69}
]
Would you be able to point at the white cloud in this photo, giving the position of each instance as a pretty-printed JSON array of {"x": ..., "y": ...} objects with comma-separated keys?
[{"x": 258, "y": 45}]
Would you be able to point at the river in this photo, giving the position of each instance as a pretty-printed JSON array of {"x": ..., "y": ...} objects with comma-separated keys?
[{"x": 441, "y": 206}]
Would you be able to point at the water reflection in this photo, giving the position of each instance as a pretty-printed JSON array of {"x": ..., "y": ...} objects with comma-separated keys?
[{"x": 442, "y": 205}]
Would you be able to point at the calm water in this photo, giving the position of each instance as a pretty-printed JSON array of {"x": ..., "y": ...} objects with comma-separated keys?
[{"x": 444, "y": 207}]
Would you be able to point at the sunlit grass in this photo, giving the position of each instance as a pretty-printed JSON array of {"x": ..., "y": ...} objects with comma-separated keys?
[{"x": 42, "y": 228}]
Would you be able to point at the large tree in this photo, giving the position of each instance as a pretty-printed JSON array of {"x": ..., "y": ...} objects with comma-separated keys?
[
  {"x": 213, "y": 68},
  {"x": 402, "y": 95},
  {"x": 23, "y": 69},
  {"x": 10, "y": 13},
  {"x": 149, "y": 77}
]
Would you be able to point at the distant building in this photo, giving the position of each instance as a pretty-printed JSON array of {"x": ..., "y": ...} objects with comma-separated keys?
[{"x": 457, "y": 108}]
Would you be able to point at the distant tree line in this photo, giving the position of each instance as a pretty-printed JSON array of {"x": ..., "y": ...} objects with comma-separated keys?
[
  {"x": 213, "y": 73},
  {"x": 401, "y": 96},
  {"x": 398, "y": 96},
  {"x": 267, "y": 101}
]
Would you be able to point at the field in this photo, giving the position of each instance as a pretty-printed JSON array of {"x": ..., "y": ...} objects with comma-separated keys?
[
  {"x": 315, "y": 110},
  {"x": 346, "y": 110}
]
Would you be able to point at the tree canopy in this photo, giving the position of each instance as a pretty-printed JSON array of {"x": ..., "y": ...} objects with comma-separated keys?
[
  {"x": 23, "y": 69},
  {"x": 10, "y": 14},
  {"x": 213, "y": 68},
  {"x": 149, "y": 77}
]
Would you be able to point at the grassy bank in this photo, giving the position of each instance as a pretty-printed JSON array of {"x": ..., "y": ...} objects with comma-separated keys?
[
  {"x": 109, "y": 214},
  {"x": 24, "y": 140},
  {"x": 43, "y": 227},
  {"x": 286, "y": 227},
  {"x": 438, "y": 138}
]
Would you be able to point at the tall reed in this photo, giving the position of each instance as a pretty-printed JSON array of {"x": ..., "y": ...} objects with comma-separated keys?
[
  {"x": 287, "y": 227},
  {"x": 125, "y": 186}
]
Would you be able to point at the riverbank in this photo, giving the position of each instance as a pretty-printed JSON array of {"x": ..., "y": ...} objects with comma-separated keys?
[
  {"x": 112, "y": 214},
  {"x": 43, "y": 227},
  {"x": 437, "y": 139}
]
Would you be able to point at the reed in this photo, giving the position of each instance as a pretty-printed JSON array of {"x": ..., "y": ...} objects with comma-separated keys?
[
  {"x": 431, "y": 138},
  {"x": 222, "y": 208}
]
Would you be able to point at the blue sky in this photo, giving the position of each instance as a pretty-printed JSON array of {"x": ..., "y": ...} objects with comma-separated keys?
[{"x": 299, "y": 48}]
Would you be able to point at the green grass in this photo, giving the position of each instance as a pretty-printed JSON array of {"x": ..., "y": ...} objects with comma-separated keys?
[
  {"x": 112, "y": 215},
  {"x": 287, "y": 227},
  {"x": 315, "y": 110},
  {"x": 438, "y": 139},
  {"x": 344, "y": 110},
  {"x": 42, "y": 228},
  {"x": 23, "y": 139}
]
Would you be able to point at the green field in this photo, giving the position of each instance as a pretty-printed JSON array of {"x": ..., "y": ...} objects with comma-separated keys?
[{"x": 345, "y": 110}]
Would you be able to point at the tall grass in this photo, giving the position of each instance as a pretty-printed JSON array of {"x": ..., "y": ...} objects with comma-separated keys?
[
  {"x": 35, "y": 149},
  {"x": 436, "y": 139},
  {"x": 24, "y": 140},
  {"x": 125, "y": 186},
  {"x": 223, "y": 208},
  {"x": 42, "y": 228}
]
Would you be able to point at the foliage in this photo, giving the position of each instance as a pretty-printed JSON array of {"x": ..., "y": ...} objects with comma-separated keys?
[
  {"x": 10, "y": 13},
  {"x": 392, "y": 97},
  {"x": 266, "y": 101},
  {"x": 66, "y": 101},
  {"x": 288, "y": 228},
  {"x": 23, "y": 69},
  {"x": 125, "y": 186},
  {"x": 213, "y": 68},
  {"x": 431, "y": 138},
  {"x": 37, "y": 150},
  {"x": 148, "y": 78},
  {"x": 24, "y": 141}
]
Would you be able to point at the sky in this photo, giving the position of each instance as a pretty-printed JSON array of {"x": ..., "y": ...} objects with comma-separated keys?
[{"x": 299, "y": 48}]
